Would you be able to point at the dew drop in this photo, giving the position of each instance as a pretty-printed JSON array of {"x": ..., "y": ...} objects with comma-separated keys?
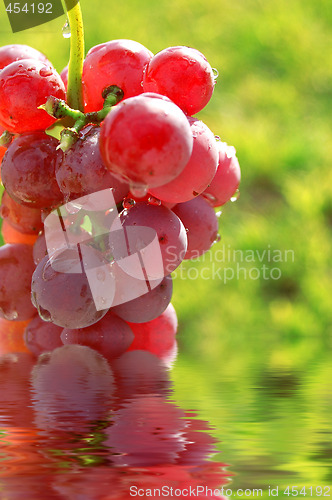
[
  {"x": 44, "y": 314},
  {"x": 187, "y": 230},
  {"x": 217, "y": 138},
  {"x": 154, "y": 201},
  {"x": 215, "y": 73},
  {"x": 66, "y": 33},
  {"x": 11, "y": 315},
  {"x": 45, "y": 71},
  {"x": 127, "y": 203},
  {"x": 209, "y": 197},
  {"x": 138, "y": 190},
  {"x": 218, "y": 214},
  {"x": 236, "y": 196},
  {"x": 217, "y": 239}
]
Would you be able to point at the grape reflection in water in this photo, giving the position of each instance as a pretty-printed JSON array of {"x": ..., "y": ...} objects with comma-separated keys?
[{"x": 88, "y": 422}]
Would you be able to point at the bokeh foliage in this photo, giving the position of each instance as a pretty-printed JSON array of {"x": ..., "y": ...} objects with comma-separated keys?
[{"x": 255, "y": 355}]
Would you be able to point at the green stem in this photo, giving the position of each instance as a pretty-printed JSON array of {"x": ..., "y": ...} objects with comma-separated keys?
[{"x": 75, "y": 67}]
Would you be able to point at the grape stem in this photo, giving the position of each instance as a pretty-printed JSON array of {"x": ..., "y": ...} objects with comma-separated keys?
[
  {"x": 61, "y": 110},
  {"x": 6, "y": 138},
  {"x": 75, "y": 66}
]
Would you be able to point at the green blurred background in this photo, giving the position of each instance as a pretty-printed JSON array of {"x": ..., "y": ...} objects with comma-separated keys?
[{"x": 254, "y": 354}]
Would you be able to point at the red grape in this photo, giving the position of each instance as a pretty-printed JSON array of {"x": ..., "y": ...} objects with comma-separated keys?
[
  {"x": 64, "y": 298},
  {"x": 170, "y": 231},
  {"x": 11, "y": 235},
  {"x": 39, "y": 249},
  {"x": 16, "y": 268},
  {"x": 41, "y": 336},
  {"x": 227, "y": 179},
  {"x": 111, "y": 336},
  {"x": 25, "y": 85},
  {"x": 64, "y": 76},
  {"x": 158, "y": 335},
  {"x": 118, "y": 62},
  {"x": 28, "y": 170},
  {"x": 184, "y": 75},
  {"x": 147, "y": 140},
  {"x": 82, "y": 170},
  {"x": 201, "y": 222},
  {"x": 17, "y": 52},
  {"x": 148, "y": 306},
  {"x": 199, "y": 171},
  {"x": 23, "y": 219}
]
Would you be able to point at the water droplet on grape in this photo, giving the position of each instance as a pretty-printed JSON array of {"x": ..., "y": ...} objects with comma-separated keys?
[
  {"x": 218, "y": 214},
  {"x": 44, "y": 314},
  {"x": 66, "y": 33},
  {"x": 187, "y": 230},
  {"x": 138, "y": 190},
  {"x": 45, "y": 71},
  {"x": 10, "y": 315},
  {"x": 154, "y": 201},
  {"x": 215, "y": 73},
  {"x": 236, "y": 196},
  {"x": 216, "y": 239},
  {"x": 217, "y": 138},
  {"x": 128, "y": 203},
  {"x": 209, "y": 197},
  {"x": 72, "y": 207}
]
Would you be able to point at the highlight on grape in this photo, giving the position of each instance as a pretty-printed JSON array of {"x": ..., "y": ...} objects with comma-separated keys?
[{"x": 109, "y": 184}]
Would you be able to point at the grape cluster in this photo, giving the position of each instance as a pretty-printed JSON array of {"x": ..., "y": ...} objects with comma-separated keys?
[{"x": 165, "y": 168}]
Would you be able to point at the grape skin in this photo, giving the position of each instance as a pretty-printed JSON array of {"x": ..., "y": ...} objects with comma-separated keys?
[
  {"x": 184, "y": 75},
  {"x": 148, "y": 306},
  {"x": 28, "y": 170},
  {"x": 25, "y": 85},
  {"x": 147, "y": 140},
  {"x": 117, "y": 62},
  {"x": 63, "y": 298},
  {"x": 199, "y": 171},
  {"x": 16, "y": 268},
  {"x": 169, "y": 228},
  {"x": 16, "y": 52},
  {"x": 23, "y": 219},
  {"x": 199, "y": 218},
  {"x": 227, "y": 179},
  {"x": 82, "y": 170}
]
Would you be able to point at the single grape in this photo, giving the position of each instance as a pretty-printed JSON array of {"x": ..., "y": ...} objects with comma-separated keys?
[
  {"x": 24, "y": 86},
  {"x": 171, "y": 234},
  {"x": 146, "y": 140},
  {"x": 201, "y": 222},
  {"x": 41, "y": 336},
  {"x": 23, "y": 219},
  {"x": 17, "y": 52},
  {"x": 199, "y": 171},
  {"x": 64, "y": 298},
  {"x": 28, "y": 170},
  {"x": 158, "y": 335},
  {"x": 82, "y": 170},
  {"x": 148, "y": 306},
  {"x": 16, "y": 268},
  {"x": 11, "y": 235},
  {"x": 184, "y": 75},
  {"x": 118, "y": 62},
  {"x": 111, "y": 336},
  {"x": 227, "y": 179}
]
